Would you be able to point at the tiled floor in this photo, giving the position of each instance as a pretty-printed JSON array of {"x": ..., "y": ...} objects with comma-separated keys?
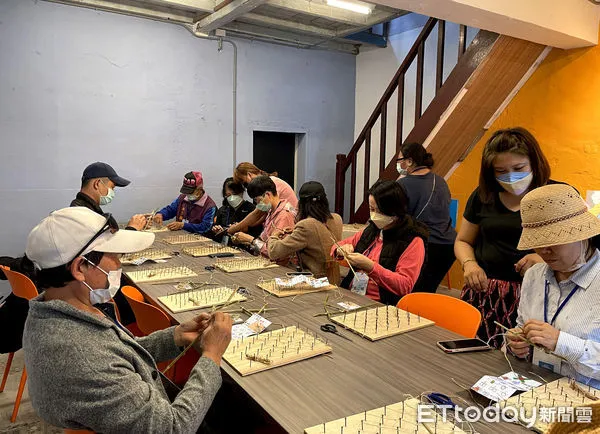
[{"x": 27, "y": 421}]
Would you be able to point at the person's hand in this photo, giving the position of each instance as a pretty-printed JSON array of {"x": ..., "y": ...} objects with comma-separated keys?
[
  {"x": 187, "y": 332},
  {"x": 359, "y": 260},
  {"x": 475, "y": 277},
  {"x": 281, "y": 234},
  {"x": 175, "y": 226},
  {"x": 158, "y": 219},
  {"x": 217, "y": 228},
  {"x": 216, "y": 337},
  {"x": 517, "y": 345},
  {"x": 138, "y": 222},
  {"x": 233, "y": 229},
  {"x": 242, "y": 238},
  {"x": 541, "y": 333},
  {"x": 526, "y": 262},
  {"x": 346, "y": 248}
]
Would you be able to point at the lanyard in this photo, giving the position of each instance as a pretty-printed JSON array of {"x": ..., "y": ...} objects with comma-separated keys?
[
  {"x": 368, "y": 249},
  {"x": 562, "y": 305}
]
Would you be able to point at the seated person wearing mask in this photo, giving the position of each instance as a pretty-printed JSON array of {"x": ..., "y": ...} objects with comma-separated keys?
[
  {"x": 193, "y": 209},
  {"x": 313, "y": 234},
  {"x": 389, "y": 252},
  {"x": 85, "y": 370},
  {"x": 234, "y": 210},
  {"x": 559, "y": 309},
  {"x": 280, "y": 214},
  {"x": 98, "y": 184}
]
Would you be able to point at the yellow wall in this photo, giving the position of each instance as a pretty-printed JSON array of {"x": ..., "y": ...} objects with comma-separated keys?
[{"x": 560, "y": 105}]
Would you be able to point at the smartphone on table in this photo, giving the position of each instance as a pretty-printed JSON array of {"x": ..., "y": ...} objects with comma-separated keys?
[{"x": 463, "y": 346}]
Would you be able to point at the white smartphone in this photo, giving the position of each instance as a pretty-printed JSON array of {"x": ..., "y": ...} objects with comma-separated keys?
[{"x": 463, "y": 346}]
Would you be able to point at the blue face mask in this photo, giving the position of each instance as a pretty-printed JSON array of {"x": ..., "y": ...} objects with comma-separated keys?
[
  {"x": 512, "y": 176},
  {"x": 264, "y": 207},
  {"x": 110, "y": 195}
]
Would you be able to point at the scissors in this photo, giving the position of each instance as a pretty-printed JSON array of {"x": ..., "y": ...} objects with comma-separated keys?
[
  {"x": 330, "y": 328},
  {"x": 440, "y": 399}
]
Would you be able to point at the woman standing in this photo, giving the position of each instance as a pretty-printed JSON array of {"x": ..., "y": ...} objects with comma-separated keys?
[
  {"x": 486, "y": 245},
  {"x": 313, "y": 234},
  {"x": 428, "y": 202},
  {"x": 246, "y": 172},
  {"x": 389, "y": 253}
]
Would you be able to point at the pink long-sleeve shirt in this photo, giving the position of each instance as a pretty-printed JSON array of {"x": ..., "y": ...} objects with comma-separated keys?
[{"x": 400, "y": 281}]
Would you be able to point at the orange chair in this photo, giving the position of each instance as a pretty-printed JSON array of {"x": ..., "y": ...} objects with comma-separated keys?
[
  {"x": 22, "y": 287},
  {"x": 150, "y": 319},
  {"x": 448, "y": 312}
]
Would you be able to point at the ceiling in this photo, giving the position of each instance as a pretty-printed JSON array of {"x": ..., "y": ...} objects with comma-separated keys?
[{"x": 300, "y": 23}]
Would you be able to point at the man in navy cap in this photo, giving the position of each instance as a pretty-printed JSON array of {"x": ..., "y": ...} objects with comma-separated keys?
[{"x": 98, "y": 188}]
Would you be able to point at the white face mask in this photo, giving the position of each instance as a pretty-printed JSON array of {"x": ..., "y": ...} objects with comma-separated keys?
[
  {"x": 518, "y": 186},
  {"x": 104, "y": 295},
  {"x": 381, "y": 220},
  {"x": 400, "y": 170},
  {"x": 234, "y": 200},
  {"x": 581, "y": 259}
]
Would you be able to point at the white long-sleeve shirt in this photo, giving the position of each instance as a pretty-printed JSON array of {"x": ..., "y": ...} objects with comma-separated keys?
[{"x": 578, "y": 321}]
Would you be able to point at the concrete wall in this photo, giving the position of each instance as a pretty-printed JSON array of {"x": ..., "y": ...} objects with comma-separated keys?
[{"x": 78, "y": 86}]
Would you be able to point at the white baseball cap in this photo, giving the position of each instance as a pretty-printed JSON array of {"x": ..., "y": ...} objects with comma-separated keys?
[{"x": 61, "y": 236}]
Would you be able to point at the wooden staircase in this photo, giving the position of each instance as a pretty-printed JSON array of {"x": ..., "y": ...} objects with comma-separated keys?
[{"x": 487, "y": 74}]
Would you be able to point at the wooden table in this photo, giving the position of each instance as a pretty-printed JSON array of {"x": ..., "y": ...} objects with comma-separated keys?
[{"x": 358, "y": 375}]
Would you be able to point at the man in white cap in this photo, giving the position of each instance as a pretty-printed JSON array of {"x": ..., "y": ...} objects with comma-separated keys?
[{"x": 85, "y": 371}]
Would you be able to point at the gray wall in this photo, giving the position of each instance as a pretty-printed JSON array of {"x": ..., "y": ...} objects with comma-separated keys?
[{"x": 77, "y": 86}]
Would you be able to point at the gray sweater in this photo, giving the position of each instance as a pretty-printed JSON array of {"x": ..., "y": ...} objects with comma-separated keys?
[{"x": 84, "y": 372}]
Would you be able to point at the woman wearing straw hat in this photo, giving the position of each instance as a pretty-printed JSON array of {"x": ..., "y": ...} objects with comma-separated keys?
[
  {"x": 559, "y": 311},
  {"x": 486, "y": 246}
]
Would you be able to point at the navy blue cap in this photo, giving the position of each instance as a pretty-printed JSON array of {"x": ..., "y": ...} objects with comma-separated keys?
[{"x": 103, "y": 170}]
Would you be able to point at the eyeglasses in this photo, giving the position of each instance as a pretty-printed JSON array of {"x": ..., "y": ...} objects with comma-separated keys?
[{"x": 109, "y": 225}]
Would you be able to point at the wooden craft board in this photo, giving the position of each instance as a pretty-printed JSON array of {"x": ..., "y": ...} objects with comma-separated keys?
[
  {"x": 208, "y": 250},
  {"x": 199, "y": 298},
  {"x": 401, "y": 417},
  {"x": 159, "y": 274},
  {"x": 381, "y": 322},
  {"x": 154, "y": 229},
  {"x": 271, "y": 288},
  {"x": 245, "y": 264},
  {"x": 281, "y": 347},
  {"x": 185, "y": 239},
  {"x": 556, "y": 394},
  {"x": 148, "y": 254}
]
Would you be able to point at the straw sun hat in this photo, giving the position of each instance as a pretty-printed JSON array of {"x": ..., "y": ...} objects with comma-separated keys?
[{"x": 553, "y": 215}]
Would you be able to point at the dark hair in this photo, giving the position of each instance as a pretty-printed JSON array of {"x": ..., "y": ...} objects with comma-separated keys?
[
  {"x": 260, "y": 185},
  {"x": 60, "y": 276},
  {"x": 418, "y": 154},
  {"x": 389, "y": 197},
  {"x": 235, "y": 187},
  {"x": 315, "y": 207},
  {"x": 517, "y": 141}
]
